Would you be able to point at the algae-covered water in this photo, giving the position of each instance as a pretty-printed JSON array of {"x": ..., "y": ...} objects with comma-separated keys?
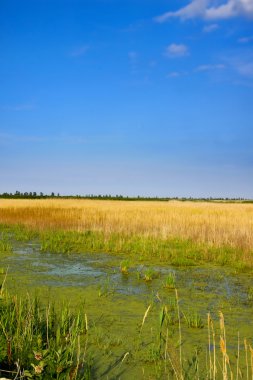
[{"x": 115, "y": 304}]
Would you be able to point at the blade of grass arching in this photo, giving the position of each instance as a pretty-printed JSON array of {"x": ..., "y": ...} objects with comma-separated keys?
[
  {"x": 145, "y": 316},
  {"x": 3, "y": 327},
  {"x": 178, "y": 377},
  {"x": 246, "y": 358},
  {"x": 238, "y": 356},
  {"x": 47, "y": 323},
  {"x": 86, "y": 337},
  {"x": 223, "y": 346},
  {"x": 18, "y": 374},
  {"x": 180, "y": 336},
  {"x": 166, "y": 349},
  {"x": 229, "y": 366},
  {"x": 214, "y": 350},
  {"x": 86, "y": 322},
  {"x": 251, "y": 360},
  {"x": 124, "y": 357},
  {"x": 3, "y": 283},
  {"x": 78, "y": 354},
  {"x": 209, "y": 346}
]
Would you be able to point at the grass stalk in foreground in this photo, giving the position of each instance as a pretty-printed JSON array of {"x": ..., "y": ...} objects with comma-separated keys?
[
  {"x": 40, "y": 342},
  {"x": 218, "y": 366}
]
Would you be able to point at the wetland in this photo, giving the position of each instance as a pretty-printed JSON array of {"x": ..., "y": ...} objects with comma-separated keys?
[
  {"x": 115, "y": 303},
  {"x": 134, "y": 307}
]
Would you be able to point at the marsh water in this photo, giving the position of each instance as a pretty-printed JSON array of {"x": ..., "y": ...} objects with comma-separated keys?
[{"x": 115, "y": 304}]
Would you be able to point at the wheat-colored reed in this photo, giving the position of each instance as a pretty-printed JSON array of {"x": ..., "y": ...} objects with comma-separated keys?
[{"x": 218, "y": 224}]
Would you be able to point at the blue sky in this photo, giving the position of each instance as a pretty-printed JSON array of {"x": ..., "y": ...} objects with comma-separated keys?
[{"x": 148, "y": 97}]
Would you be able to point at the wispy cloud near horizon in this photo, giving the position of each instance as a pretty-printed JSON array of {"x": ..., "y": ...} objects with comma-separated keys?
[
  {"x": 61, "y": 138},
  {"x": 18, "y": 107},
  {"x": 18, "y": 138}
]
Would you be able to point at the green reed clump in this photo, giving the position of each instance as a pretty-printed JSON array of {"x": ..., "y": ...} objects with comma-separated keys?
[
  {"x": 71, "y": 242},
  {"x": 194, "y": 320},
  {"x": 173, "y": 250},
  {"x": 25, "y": 234},
  {"x": 19, "y": 232},
  {"x": 106, "y": 288},
  {"x": 213, "y": 364},
  {"x": 5, "y": 246},
  {"x": 250, "y": 293},
  {"x": 170, "y": 281},
  {"x": 150, "y": 274},
  {"x": 176, "y": 251},
  {"x": 41, "y": 343},
  {"x": 124, "y": 267}
]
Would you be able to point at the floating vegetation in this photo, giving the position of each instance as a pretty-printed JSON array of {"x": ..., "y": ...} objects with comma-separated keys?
[
  {"x": 50, "y": 342},
  {"x": 150, "y": 274},
  {"x": 170, "y": 281},
  {"x": 193, "y": 319},
  {"x": 124, "y": 267},
  {"x": 250, "y": 293},
  {"x": 106, "y": 288},
  {"x": 5, "y": 246}
]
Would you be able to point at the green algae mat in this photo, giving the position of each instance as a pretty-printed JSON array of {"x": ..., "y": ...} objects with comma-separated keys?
[{"x": 144, "y": 320}]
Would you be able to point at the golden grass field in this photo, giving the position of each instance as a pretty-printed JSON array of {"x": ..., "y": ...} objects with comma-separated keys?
[{"x": 215, "y": 224}]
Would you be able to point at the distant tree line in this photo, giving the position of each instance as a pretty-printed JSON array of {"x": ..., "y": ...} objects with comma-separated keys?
[
  {"x": 28, "y": 195},
  {"x": 41, "y": 195}
]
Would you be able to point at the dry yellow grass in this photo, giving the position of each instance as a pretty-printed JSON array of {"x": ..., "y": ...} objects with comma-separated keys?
[{"x": 217, "y": 224}]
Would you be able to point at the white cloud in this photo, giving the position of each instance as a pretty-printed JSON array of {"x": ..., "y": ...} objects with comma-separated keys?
[
  {"x": 210, "y": 28},
  {"x": 176, "y": 50},
  {"x": 245, "y": 69},
  {"x": 245, "y": 40},
  {"x": 211, "y": 10},
  {"x": 176, "y": 74},
  {"x": 210, "y": 67},
  {"x": 194, "y": 9},
  {"x": 198, "y": 69}
]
